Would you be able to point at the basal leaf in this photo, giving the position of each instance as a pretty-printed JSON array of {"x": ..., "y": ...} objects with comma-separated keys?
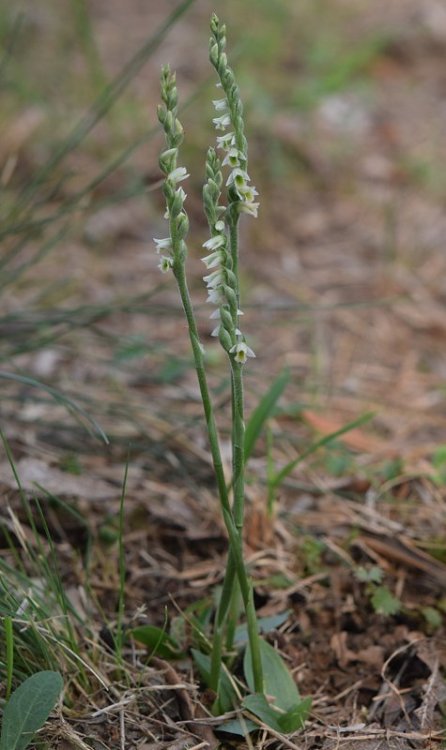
[
  {"x": 28, "y": 709},
  {"x": 265, "y": 624},
  {"x": 157, "y": 641},
  {"x": 277, "y": 678},
  {"x": 238, "y": 727},
  {"x": 259, "y": 706},
  {"x": 286, "y": 722},
  {"x": 296, "y": 718},
  {"x": 228, "y": 697}
]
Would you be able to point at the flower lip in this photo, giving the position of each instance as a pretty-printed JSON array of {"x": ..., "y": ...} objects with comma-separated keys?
[
  {"x": 241, "y": 352},
  {"x": 213, "y": 279},
  {"x": 221, "y": 123},
  {"x": 178, "y": 174},
  {"x": 249, "y": 207},
  {"x": 165, "y": 264},
  {"x": 163, "y": 244},
  {"x": 221, "y": 105},
  {"x": 212, "y": 260},
  {"x": 226, "y": 141},
  {"x": 214, "y": 297},
  {"x": 214, "y": 243}
]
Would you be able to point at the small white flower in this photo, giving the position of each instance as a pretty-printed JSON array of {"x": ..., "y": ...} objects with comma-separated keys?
[
  {"x": 215, "y": 297},
  {"x": 215, "y": 315},
  {"x": 214, "y": 243},
  {"x": 212, "y": 260},
  {"x": 250, "y": 208},
  {"x": 163, "y": 244},
  {"x": 165, "y": 264},
  {"x": 232, "y": 158},
  {"x": 219, "y": 226},
  {"x": 178, "y": 174},
  {"x": 179, "y": 192},
  {"x": 216, "y": 331},
  {"x": 241, "y": 352},
  {"x": 214, "y": 279},
  {"x": 238, "y": 178},
  {"x": 247, "y": 193},
  {"x": 221, "y": 105},
  {"x": 221, "y": 123},
  {"x": 226, "y": 141}
]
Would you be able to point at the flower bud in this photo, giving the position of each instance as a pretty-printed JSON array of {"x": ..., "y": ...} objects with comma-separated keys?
[
  {"x": 161, "y": 112},
  {"x": 214, "y": 54},
  {"x": 167, "y": 160},
  {"x": 226, "y": 319},
  {"x": 225, "y": 339},
  {"x": 182, "y": 225}
]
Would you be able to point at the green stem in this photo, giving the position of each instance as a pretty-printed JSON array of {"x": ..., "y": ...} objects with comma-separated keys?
[
  {"x": 233, "y": 528},
  {"x": 220, "y": 620},
  {"x": 233, "y": 616},
  {"x": 238, "y": 458},
  {"x": 180, "y": 275},
  {"x": 248, "y": 600}
]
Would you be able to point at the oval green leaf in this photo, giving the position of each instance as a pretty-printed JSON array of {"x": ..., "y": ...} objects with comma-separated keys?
[
  {"x": 28, "y": 709},
  {"x": 278, "y": 682}
]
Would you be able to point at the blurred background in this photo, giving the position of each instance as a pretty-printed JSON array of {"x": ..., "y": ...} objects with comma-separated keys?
[{"x": 343, "y": 273}]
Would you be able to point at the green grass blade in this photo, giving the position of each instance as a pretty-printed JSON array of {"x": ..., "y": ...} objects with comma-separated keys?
[
  {"x": 102, "y": 105},
  {"x": 58, "y": 396},
  {"x": 263, "y": 411},
  {"x": 9, "y": 643},
  {"x": 283, "y": 473}
]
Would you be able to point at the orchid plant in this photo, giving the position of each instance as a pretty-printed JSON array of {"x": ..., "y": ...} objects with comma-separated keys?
[{"x": 227, "y": 194}]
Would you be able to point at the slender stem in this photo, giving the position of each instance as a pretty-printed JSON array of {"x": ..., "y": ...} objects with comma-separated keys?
[
  {"x": 238, "y": 446},
  {"x": 197, "y": 351},
  {"x": 233, "y": 615},
  {"x": 220, "y": 620},
  {"x": 233, "y": 218},
  {"x": 180, "y": 276},
  {"x": 248, "y": 600},
  {"x": 234, "y": 530},
  {"x": 238, "y": 510}
]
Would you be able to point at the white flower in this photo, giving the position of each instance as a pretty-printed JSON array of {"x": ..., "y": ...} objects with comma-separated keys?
[
  {"x": 249, "y": 207},
  {"x": 241, "y": 352},
  {"x": 216, "y": 331},
  {"x": 178, "y": 174},
  {"x": 215, "y": 297},
  {"x": 214, "y": 243},
  {"x": 232, "y": 158},
  {"x": 163, "y": 244},
  {"x": 221, "y": 105},
  {"x": 212, "y": 260},
  {"x": 238, "y": 178},
  {"x": 214, "y": 279},
  {"x": 219, "y": 226},
  {"x": 221, "y": 123},
  {"x": 226, "y": 141},
  {"x": 165, "y": 264},
  {"x": 247, "y": 193},
  {"x": 179, "y": 192}
]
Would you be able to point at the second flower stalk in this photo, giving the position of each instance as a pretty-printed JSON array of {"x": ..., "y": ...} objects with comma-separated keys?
[{"x": 221, "y": 262}]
